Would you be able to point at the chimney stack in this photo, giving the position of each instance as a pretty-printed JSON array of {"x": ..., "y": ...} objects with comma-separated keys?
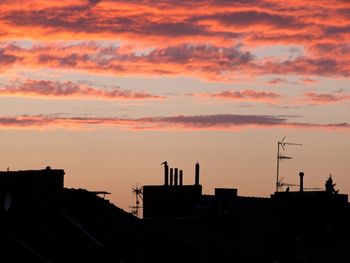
[
  {"x": 301, "y": 175},
  {"x": 176, "y": 176},
  {"x": 171, "y": 176},
  {"x": 196, "y": 182},
  {"x": 166, "y": 173},
  {"x": 180, "y": 178}
]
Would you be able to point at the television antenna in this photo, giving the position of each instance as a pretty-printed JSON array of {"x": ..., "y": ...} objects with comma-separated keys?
[
  {"x": 282, "y": 144},
  {"x": 137, "y": 191}
]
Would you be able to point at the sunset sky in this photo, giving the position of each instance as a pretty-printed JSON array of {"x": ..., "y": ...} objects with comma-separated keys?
[{"x": 108, "y": 90}]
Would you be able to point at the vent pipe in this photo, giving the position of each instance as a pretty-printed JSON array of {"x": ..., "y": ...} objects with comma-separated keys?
[
  {"x": 176, "y": 175},
  {"x": 180, "y": 177},
  {"x": 196, "y": 182},
  {"x": 301, "y": 175},
  {"x": 166, "y": 173},
  {"x": 171, "y": 176}
]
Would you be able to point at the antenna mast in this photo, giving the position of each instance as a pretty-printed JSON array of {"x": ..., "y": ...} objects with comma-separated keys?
[
  {"x": 138, "y": 196},
  {"x": 282, "y": 144}
]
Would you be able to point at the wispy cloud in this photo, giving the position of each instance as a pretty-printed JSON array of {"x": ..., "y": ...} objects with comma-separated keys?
[
  {"x": 309, "y": 66},
  {"x": 325, "y": 98},
  {"x": 228, "y": 122},
  {"x": 244, "y": 95},
  {"x": 307, "y": 81},
  {"x": 277, "y": 81},
  {"x": 68, "y": 89},
  {"x": 300, "y": 81}
]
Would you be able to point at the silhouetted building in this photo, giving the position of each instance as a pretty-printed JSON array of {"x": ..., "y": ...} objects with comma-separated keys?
[
  {"x": 41, "y": 221},
  {"x": 174, "y": 199},
  {"x": 305, "y": 225},
  {"x": 30, "y": 190}
]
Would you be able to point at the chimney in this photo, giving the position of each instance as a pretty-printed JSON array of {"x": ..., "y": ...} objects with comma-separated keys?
[
  {"x": 166, "y": 173},
  {"x": 301, "y": 174},
  {"x": 196, "y": 182},
  {"x": 176, "y": 176},
  {"x": 171, "y": 176},
  {"x": 180, "y": 178}
]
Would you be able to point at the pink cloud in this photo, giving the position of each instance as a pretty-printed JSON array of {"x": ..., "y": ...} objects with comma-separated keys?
[
  {"x": 306, "y": 66},
  {"x": 244, "y": 95},
  {"x": 325, "y": 98},
  {"x": 68, "y": 89},
  {"x": 277, "y": 81},
  {"x": 229, "y": 122},
  {"x": 307, "y": 81}
]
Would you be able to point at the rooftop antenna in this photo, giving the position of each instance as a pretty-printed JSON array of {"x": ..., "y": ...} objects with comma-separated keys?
[
  {"x": 282, "y": 144},
  {"x": 137, "y": 191}
]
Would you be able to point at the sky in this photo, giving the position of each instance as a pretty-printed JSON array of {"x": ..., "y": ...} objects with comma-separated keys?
[{"x": 108, "y": 90}]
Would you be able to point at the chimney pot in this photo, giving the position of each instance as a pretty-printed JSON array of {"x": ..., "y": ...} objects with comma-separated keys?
[
  {"x": 176, "y": 176},
  {"x": 171, "y": 176},
  {"x": 196, "y": 182},
  {"x": 166, "y": 173},
  {"x": 180, "y": 177},
  {"x": 301, "y": 175}
]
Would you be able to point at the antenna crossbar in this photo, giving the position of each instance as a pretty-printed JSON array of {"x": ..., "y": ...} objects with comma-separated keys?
[
  {"x": 138, "y": 196},
  {"x": 282, "y": 144}
]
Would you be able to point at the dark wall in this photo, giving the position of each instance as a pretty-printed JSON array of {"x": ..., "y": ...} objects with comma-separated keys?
[
  {"x": 170, "y": 201},
  {"x": 28, "y": 190}
]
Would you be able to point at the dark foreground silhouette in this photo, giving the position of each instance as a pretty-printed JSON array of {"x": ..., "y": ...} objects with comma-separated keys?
[
  {"x": 290, "y": 226},
  {"x": 41, "y": 221}
]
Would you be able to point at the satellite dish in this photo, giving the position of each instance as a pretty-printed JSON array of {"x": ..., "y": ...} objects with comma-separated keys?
[{"x": 7, "y": 202}]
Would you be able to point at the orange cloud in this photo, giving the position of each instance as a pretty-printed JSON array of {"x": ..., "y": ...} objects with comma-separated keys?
[
  {"x": 68, "y": 89},
  {"x": 158, "y": 23},
  {"x": 229, "y": 122},
  {"x": 211, "y": 43},
  {"x": 203, "y": 61},
  {"x": 200, "y": 60}
]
